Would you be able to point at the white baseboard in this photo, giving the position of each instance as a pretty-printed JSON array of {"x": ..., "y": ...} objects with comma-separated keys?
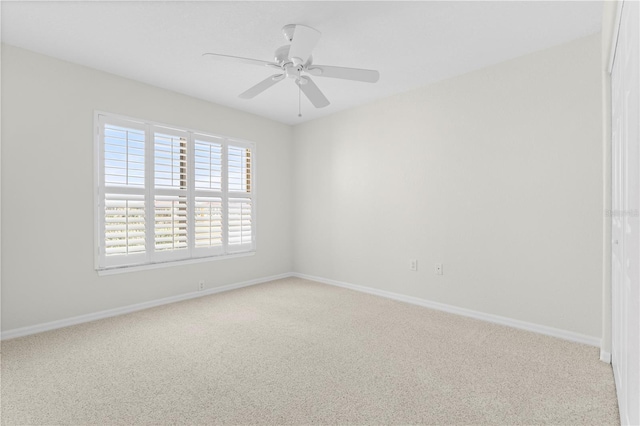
[
  {"x": 536, "y": 328},
  {"x": 38, "y": 328},
  {"x": 523, "y": 325}
]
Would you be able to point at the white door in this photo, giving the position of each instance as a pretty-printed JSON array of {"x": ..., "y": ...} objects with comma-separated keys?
[{"x": 625, "y": 223}]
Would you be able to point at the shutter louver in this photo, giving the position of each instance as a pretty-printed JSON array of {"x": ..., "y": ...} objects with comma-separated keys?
[
  {"x": 170, "y": 223},
  {"x": 240, "y": 222},
  {"x": 208, "y": 225},
  {"x": 123, "y": 156},
  {"x": 239, "y": 169},
  {"x": 124, "y": 222},
  {"x": 208, "y": 165},
  {"x": 170, "y": 161}
]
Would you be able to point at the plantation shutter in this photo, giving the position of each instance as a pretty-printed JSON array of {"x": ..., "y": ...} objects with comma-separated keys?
[
  {"x": 208, "y": 195},
  {"x": 171, "y": 209},
  {"x": 240, "y": 204},
  {"x": 122, "y": 192},
  {"x": 166, "y": 194}
]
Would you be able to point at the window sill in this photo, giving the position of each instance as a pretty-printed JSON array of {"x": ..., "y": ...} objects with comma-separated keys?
[{"x": 135, "y": 268}]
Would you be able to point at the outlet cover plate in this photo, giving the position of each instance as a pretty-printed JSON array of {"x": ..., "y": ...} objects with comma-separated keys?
[{"x": 413, "y": 264}]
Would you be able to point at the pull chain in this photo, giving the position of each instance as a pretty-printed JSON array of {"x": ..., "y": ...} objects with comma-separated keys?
[{"x": 299, "y": 103}]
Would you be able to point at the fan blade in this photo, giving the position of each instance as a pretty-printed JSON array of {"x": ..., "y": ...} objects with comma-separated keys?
[
  {"x": 312, "y": 92},
  {"x": 368, "y": 76},
  {"x": 262, "y": 86},
  {"x": 218, "y": 57},
  {"x": 303, "y": 41}
]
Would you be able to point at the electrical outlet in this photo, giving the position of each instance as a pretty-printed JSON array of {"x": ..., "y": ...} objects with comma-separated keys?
[
  {"x": 201, "y": 285},
  {"x": 413, "y": 264},
  {"x": 439, "y": 269}
]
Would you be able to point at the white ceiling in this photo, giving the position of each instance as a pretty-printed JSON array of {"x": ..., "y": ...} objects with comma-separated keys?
[{"x": 411, "y": 43}]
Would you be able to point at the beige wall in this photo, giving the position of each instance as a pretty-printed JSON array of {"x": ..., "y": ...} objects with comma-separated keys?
[
  {"x": 497, "y": 174},
  {"x": 47, "y": 190}
]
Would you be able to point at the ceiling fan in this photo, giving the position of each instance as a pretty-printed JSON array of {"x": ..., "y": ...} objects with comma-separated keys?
[{"x": 294, "y": 61}]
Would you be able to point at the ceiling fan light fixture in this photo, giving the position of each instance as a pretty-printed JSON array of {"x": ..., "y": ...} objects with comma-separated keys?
[
  {"x": 282, "y": 54},
  {"x": 288, "y": 31}
]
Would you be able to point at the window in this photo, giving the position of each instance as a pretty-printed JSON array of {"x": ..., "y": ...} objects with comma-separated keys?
[{"x": 167, "y": 194}]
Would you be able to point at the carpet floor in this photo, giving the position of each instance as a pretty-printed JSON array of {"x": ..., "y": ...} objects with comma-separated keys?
[{"x": 298, "y": 352}]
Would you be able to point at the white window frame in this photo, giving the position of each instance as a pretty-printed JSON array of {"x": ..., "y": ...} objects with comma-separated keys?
[{"x": 151, "y": 258}]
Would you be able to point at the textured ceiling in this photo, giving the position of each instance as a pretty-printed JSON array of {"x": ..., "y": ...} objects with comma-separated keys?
[{"x": 411, "y": 43}]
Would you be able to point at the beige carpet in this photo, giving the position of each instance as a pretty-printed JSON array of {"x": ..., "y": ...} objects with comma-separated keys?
[{"x": 297, "y": 352}]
